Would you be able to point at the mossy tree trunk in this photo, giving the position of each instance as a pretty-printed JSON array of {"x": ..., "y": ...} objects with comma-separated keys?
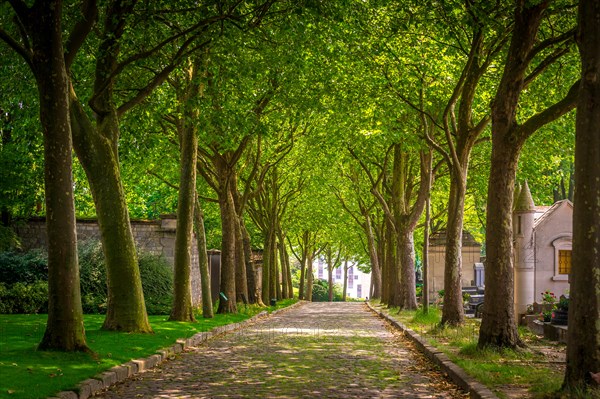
[
  {"x": 183, "y": 309},
  {"x": 498, "y": 327},
  {"x": 207, "y": 305},
  {"x": 44, "y": 53},
  {"x": 253, "y": 287},
  {"x": 373, "y": 256},
  {"x": 96, "y": 145},
  {"x": 583, "y": 349}
]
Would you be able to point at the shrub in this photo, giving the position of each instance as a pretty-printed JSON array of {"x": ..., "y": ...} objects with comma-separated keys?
[
  {"x": 9, "y": 240},
  {"x": 27, "y": 267},
  {"x": 24, "y": 287},
  {"x": 155, "y": 272},
  {"x": 24, "y": 298},
  {"x": 320, "y": 292},
  {"x": 157, "y": 283},
  {"x": 92, "y": 274}
]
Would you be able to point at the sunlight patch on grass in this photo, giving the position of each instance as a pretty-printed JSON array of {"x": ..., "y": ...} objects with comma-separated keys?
[
  {"x": 491, "y": 367},
  {"x": 29, "y": 374}
]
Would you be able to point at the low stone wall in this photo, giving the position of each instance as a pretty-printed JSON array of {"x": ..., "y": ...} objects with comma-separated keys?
[{"x": 154, "y": 236}]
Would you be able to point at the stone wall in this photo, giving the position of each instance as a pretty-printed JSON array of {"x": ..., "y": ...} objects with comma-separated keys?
[{"x": 154, "y": 236}]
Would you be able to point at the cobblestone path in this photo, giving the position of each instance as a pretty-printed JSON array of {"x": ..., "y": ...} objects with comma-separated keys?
[{"x": 317, "y": 350}]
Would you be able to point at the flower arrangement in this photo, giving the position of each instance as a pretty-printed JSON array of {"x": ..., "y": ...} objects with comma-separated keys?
[{"x": 548, "y": 297}]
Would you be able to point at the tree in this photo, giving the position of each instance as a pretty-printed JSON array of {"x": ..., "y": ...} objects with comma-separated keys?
[
  {"x": 583, "y": 349},
  {"x": 41, "y": 46},
  {"x": 188, "y": 93},
  {"x": 498, "y": 326}
]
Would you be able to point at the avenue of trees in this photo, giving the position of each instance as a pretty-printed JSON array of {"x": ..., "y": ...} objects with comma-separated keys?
[{"x": 346, "y": 130}]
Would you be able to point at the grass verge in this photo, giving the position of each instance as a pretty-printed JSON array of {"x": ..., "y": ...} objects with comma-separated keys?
[
  {"x": 526, "y": 370},
  {"x": 26, "y": 373}
]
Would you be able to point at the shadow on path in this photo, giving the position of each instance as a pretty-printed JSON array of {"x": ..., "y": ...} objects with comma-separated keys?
[{"x": 317, "y": 350}]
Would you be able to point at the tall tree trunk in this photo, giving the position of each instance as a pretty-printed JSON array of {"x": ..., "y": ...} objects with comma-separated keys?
[
  {"x": 345, "y": 290},
  {"x": 273, "y": 274},
  {"x": 227, "y": 296},
  {"x": 96, "y": 145},
  {"x": 301, "y": 286},
  {"x": 330, "y": 281},
  {"x": 183, "y": 309},
  {"x": 309, "y": 276},
  {"x": 241, "y": 275},
  {"x": 425, "y": 291},
  {"x": 64, "y": 328},
  {"x": 282, "y": 259},
  {"x": 453, "y": 311},
  {"x": 375, "y": 269},
  {"x": 96, "y": 148},
  {"x": 290, "y": 288},
  {"x": 207, "y": 305},
  {"x": 389, "y": 264},
  {"x": 266, "y": 268},
  {"x": 583, "y": 349},
  {"x": 253, "y": 288},
  {"x": 406, "y": 254},
  {"x": 394, "y": 270},
  {"x": 498, "y": 327}
]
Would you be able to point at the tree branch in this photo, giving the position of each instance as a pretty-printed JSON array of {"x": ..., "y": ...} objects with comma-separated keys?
[
  {"x": 80, "y": 31},
  {"x": 568, "y": 103}
]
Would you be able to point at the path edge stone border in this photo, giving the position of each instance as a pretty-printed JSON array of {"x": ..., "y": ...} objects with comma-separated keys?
[
  {"x": 475, "y": 389},
  {"x": 106, "y": 379}
]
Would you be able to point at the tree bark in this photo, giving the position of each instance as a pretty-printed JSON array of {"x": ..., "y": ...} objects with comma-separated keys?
[
  {"x": 345, "y": 289},
  {"x": 241, "y": 275},
  {"x": 302, "y": 276},
  {"x": 425, "y": 291},
  {"x": 253, "y": 291},
  {"x": 64, "y": 328},
  {"x": 583, "y": 349},
  {"x": 227, "y": 296},
  {"x": 96, "y": 145},
  {"x": 207, "y": 305},
  {"x": 330, "y": 274},
  {"x": 266, "y": 269},
  {"x": 453, "y": 310},
  {"x": 498, "y": 327},
  {"x": 309, "y": 276},
  {"x": 183, "y": 309},
  {"x": 406, "y": 254},
  {"x": 284, "y": 266},
  {"x": 96, "y": 148},
  {"x": 375, "y": 268}
]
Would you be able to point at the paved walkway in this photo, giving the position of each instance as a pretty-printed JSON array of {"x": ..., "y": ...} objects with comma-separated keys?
[{"x": 317, "y": 350}]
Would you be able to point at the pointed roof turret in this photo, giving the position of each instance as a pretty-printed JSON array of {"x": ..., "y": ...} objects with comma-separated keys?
[
  {"x": 516, "y": 194},
  {"x": 525, "y": 201}
]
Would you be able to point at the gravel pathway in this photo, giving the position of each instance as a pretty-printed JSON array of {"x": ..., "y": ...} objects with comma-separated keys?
[{"x": 317, "y": 350}]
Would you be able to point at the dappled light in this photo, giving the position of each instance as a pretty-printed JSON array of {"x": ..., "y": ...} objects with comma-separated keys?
[{"x": 317, "y": 350}]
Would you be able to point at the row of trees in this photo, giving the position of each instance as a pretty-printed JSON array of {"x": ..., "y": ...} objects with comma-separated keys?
[{"x": 305, "y": 128}]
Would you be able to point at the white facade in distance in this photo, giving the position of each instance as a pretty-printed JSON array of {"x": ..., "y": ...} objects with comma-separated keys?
[{"x": 359, "y": 283}]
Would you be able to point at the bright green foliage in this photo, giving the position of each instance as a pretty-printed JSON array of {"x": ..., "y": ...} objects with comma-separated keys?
[{"x": 320, "y": 291}]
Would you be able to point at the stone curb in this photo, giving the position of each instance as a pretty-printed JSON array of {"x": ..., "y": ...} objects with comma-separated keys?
[
  {"x": 100, "y": 382},
  {"x": 475, "y": 389}
]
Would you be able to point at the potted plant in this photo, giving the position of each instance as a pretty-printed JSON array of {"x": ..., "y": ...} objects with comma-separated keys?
[{"x": 560, "y": 315}]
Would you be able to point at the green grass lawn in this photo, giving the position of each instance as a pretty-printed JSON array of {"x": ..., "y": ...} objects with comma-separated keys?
[
  {"x": 526, "y": 368},
  {"x": 28, "y": 374}
]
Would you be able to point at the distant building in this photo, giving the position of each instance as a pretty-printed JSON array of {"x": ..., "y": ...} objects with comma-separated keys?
[
  {"x": 542, "y": 248},
  {"x": 472, "y": 268},
  {"x": 359, "y": 283}
]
